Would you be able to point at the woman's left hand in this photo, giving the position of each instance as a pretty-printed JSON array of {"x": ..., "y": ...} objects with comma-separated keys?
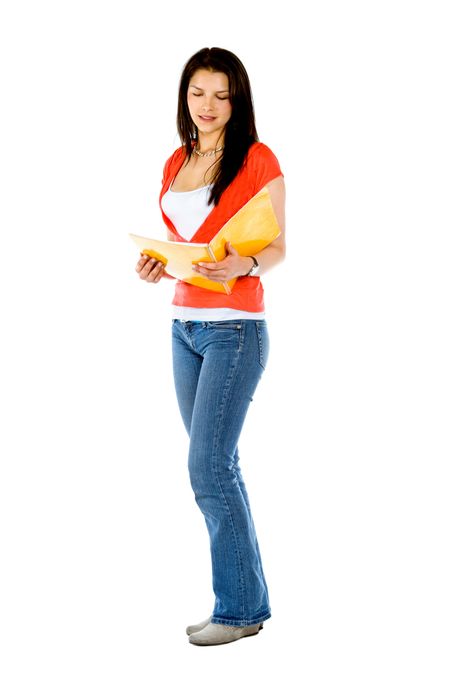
[{"x": 232, "y": 266}]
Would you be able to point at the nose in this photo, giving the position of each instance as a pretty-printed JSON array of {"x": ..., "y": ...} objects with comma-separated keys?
[{"x": 207, "y": 104}]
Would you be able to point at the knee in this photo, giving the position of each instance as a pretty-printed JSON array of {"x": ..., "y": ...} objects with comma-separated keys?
[
  {"x": 201, "y": 473},
  {"x": 209, "y": 476}
]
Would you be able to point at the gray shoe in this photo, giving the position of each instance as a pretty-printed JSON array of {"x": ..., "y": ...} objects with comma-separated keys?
[
  {"x": 219, "y": 634},
  {"x": 197, "y": 626}
]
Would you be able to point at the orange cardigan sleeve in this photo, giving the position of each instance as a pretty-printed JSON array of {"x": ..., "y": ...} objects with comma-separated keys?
[{"x": 262, "y": 165}]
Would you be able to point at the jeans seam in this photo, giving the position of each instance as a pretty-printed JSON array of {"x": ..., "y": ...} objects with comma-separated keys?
[
  {"x": 218, "y": 430},
  {"x": 244, "y": 622},
  {"x": 260, "y": 345}
]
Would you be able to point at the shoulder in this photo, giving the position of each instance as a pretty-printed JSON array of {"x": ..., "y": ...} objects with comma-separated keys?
[
  {"x": 260, "y": 152},
  {"x": 261, "y": 156},
  {"x": 172, "y": 160},
  {"x": 262, "y": 164}
]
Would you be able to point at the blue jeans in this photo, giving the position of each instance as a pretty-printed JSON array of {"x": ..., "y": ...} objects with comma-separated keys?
[{"x": 217, "y": 366}]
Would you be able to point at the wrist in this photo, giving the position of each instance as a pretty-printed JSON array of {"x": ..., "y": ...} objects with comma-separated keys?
[
  {"x": 254, "y": 269},
  {"x": 247, "y": 265}
]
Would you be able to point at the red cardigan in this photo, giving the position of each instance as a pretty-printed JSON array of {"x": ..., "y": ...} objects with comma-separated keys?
[{"x": 260, "y": 167}]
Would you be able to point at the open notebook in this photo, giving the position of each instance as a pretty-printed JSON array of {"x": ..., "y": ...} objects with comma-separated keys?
[{"x": 251, "y": 229}]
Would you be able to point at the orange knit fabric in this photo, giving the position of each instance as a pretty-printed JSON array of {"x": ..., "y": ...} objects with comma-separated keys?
[{"x": 260, "y": 167}]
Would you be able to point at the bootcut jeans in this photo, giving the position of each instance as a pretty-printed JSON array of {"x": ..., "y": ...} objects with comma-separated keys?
[{"x": 217, "y": 366}]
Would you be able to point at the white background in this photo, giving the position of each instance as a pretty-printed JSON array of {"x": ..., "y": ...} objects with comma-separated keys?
[{"x": 105, "y": 556}]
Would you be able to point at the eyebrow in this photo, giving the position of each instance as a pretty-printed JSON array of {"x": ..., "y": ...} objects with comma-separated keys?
[{"x": 221, "y": 91}]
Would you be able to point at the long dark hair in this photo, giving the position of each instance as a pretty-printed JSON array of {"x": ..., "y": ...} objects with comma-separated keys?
[{"x": 240, "y": 131}]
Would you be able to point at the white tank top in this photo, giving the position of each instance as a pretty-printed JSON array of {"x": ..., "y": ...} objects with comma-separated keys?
[{"x": 188, "y": 211}]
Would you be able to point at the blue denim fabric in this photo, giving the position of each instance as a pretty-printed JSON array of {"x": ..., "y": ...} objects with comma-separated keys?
[{"x": 217, "y": 366}]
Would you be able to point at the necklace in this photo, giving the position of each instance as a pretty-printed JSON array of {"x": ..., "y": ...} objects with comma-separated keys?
[{"x": 210, "y": 153}]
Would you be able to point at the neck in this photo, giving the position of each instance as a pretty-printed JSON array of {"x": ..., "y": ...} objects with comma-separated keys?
[{"x": 206, "y": 142}]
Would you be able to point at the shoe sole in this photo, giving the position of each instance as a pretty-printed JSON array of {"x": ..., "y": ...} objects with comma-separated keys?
[{"x": 189, "y": 630}]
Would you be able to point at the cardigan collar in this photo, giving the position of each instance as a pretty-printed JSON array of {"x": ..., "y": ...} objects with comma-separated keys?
[
  {"x": 202, "y": 231},
  {"x": 240, "y": 190}
]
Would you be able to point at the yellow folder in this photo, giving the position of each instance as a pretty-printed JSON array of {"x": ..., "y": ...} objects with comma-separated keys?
[{"x": 251, "y": 229}]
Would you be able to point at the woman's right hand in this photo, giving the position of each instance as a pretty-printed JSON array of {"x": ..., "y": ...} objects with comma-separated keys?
[{"x": 150, "y": 269}]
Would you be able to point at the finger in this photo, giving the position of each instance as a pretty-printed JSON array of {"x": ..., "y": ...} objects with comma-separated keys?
[
  {"x": 213, "y": 267},
  {"x": 141, "y": 262},
  {"x": 147, "y": 268},
  {"x": 159, "y": 274},
  {"x": 155, "y": 273},
  {"x": 203, "y": 271},
  {"x": 206, "y": 266}
]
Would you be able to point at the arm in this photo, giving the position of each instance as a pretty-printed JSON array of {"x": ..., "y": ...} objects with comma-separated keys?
[
  {"x": 275, "y": 252},
  {"x": 234, "y": 265}
]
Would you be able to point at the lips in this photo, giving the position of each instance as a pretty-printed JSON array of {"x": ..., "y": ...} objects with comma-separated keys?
[{"x": 206, "y": 118}]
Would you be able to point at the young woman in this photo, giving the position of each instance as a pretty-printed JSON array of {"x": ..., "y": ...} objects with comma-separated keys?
[{"x": 220, "y": 342}]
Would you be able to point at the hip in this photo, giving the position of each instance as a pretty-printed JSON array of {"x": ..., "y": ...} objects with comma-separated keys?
[{"x": 236, "y": 338}]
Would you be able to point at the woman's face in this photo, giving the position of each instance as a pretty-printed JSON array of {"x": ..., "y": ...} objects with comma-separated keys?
[{"x": 208, "y": 99}]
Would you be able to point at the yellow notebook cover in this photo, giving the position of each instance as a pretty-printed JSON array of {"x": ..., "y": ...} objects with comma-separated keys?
[{"x": 251, "y": 229}]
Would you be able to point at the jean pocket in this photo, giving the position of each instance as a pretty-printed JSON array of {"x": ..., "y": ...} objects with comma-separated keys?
[
  {"x": 224, "y": 325},
  {"x": 263, "y": 342}
]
